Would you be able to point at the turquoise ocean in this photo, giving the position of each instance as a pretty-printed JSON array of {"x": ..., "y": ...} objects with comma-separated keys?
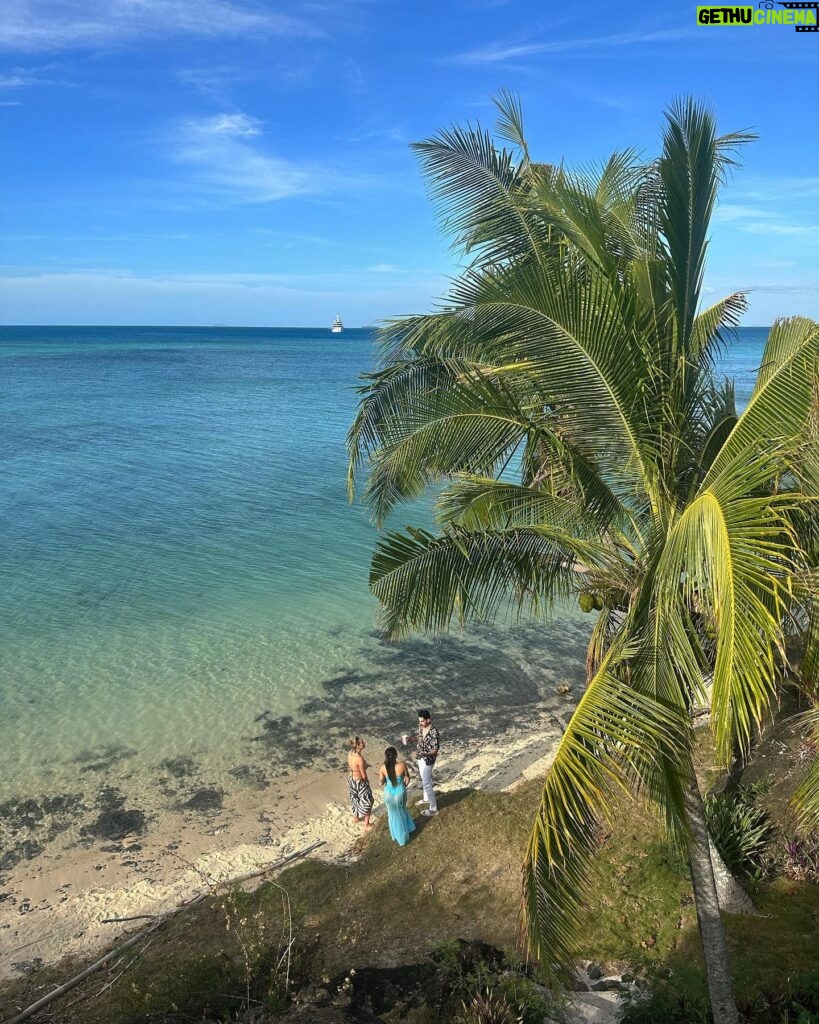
[{"x": 182, "y": 575}]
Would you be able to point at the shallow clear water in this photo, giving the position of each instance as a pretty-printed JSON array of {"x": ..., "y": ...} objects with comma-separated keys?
[{"x": 178, "y": 555}]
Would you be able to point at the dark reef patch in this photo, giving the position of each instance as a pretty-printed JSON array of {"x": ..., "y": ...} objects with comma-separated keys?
[
  {"x": 28, "y": 824},
  {"x": 205, "y": 801},
  {"x": 26, "y": 850},
  {"x": 178, "y": 767},
  {"x": 295, "y": 743},
  {"x": 103, "y": 759},
  {"x": 249, "y": 775},
  {"x": 114, "y": 823}
]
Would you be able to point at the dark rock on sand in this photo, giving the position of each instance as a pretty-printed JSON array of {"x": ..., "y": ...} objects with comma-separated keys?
[
  {"x": 28, "y": 966},
  {"x": 205, "y": 801},
  {"x": 114, "y": 824},
  {"x": 26, "y": 825}
]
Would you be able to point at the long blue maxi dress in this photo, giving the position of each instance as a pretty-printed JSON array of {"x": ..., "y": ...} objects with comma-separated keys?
[{"x": 399, "y": 818}]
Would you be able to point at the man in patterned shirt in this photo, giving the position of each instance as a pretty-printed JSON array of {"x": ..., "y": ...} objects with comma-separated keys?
[{"x": 428, "y": 745}]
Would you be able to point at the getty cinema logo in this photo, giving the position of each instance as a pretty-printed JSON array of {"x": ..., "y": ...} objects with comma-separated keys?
[{"x": 803, "y": 16}]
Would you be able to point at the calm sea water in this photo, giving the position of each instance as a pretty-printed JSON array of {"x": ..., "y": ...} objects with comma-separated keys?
[{"x": 178, "y": 555}]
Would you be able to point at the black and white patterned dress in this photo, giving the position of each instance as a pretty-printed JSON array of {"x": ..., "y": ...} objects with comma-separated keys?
[{"x": 361, "y": 796}]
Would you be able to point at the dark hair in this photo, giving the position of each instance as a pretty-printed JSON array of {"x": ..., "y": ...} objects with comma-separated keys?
[
  {"x": 390, "y": 757},
  {"x": 424, "y": 713}
]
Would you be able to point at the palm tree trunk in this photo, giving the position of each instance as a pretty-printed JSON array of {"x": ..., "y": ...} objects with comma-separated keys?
[
  {"x": 712, "y": 933},
  {"x": 732, "y": 897}
]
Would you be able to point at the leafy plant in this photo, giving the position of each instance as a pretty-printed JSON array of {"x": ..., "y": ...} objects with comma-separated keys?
[
  {"x": 741, "y": 831},
  {"x": 800, "y": 860},
  {"x": 489, "y": 1007}
]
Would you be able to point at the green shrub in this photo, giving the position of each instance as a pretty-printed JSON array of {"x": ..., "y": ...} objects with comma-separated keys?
[
  {"x": 740, "y": 830},
  {"x": 488, "y": 1007}
]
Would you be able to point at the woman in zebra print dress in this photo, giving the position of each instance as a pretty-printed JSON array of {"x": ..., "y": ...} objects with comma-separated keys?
[{"x": 361, "y": 794}]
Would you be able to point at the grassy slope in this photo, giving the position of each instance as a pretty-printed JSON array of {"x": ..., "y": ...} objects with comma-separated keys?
[{"x": 459, "y": 876}]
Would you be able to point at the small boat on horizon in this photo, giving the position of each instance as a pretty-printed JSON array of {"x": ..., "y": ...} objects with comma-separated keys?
[{"x": 338, "y": 326}]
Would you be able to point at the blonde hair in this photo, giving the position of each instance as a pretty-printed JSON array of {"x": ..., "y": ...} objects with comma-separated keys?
[{"x": 354, "y": 742}]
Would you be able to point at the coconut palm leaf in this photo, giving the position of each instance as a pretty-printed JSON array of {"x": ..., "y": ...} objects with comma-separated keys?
[
  {"x": 725, "y": 559},
  {"x": 470, "y": 425},
  {"x": 476, "y": 503},
  {"x": 691, "y": 167},
  {"x": 786, "y": 339},
  {"x": 806, "y": 798},
  {"x": 425, "y": 581},
  {"x": 573, "y": 349},
  {"x": 776, "y": 418},
  {"x": 617, "y": 740},
  {"x": 478, "y": 192},
  {"x": 510, "y": 123}
]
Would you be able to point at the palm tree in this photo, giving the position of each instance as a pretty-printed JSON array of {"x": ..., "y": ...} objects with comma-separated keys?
[{"x": 565, "y": 403}]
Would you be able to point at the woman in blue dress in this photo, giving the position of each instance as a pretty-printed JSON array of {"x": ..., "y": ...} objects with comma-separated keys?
[{"x": 395, "y": 777}]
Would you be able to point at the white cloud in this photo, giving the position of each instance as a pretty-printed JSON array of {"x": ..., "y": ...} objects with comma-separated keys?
[
  {"x": 503, "y": 53},
  {"x": 24, "y": 78},
  {"x": 755, "y": 220},
  {"x": 224, "y": 160},
  {"x": 728, "y": 213},
  {"x": 777, "y": 188},
  {"x": 785, "y": 230},
  {"x": 226, "y": 125},
  {"x": 787, "y": 288},
  {"x": 15, "y": 81},
  {"x": 60, "y": 24}
]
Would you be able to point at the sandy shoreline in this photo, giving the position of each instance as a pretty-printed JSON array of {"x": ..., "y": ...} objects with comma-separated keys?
[{"x": 53, "y": 905}]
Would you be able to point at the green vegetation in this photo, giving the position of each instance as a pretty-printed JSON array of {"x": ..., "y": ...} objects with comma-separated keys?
[
  {"x": 741, "y": 830},
  {"x": 564, "y": 400}
]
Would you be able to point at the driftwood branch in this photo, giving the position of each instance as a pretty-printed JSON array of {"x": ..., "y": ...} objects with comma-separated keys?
[
  {"x": 135, "y": 917},
  {"x": 29, "y": 1011}
]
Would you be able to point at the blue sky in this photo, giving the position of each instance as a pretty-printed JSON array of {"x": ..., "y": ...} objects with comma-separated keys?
[{"x": 239, "y": 162}]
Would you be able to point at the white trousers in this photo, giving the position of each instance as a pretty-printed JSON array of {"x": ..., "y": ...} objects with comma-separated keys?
[{"x": 425, "y": 771}]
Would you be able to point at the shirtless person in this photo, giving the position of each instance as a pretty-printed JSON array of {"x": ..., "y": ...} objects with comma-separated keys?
[{"x": 361, "y": 794}]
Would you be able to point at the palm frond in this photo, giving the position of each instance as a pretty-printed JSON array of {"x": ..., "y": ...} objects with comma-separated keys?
[
  {"x": 692, "y": 167},
  {"x": 712, "y": 328},
  {"x": 424, "y": 581},
  {"x": 478, "y": 192},
  {"x": 786, "y": 338},
  {"x": 470, "y": 425},
  {"x": 618, "y": 739},
  {"x": 510, "y": 123},
  {"x": 806, "y": 798},
  {"x": 775, "y": 419},
  {"x": 730, "y": 560}
]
